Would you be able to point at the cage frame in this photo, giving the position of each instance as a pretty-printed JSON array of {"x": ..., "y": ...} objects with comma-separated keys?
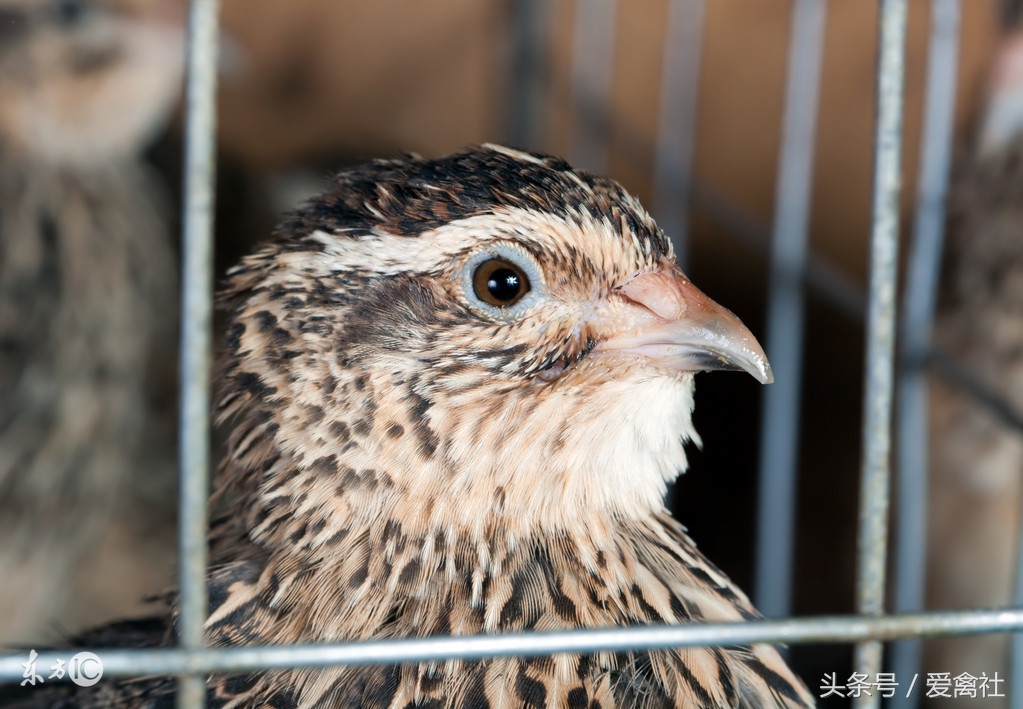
[{"x": 793, "y": 267}]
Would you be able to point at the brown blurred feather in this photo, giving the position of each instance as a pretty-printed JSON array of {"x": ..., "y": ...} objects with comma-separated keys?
[
  {"x": 87, "y": 319},
  {"x": 976, "y": 459}
]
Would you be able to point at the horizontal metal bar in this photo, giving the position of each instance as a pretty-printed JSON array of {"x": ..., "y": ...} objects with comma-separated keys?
[{"x": 824, "y": 629}]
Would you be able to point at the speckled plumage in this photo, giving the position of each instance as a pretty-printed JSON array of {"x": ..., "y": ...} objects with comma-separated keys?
[
  {"x": 87, "y": 313},
  {"x": 403, "y": 463},
  {"x": 976, "y": 459}
]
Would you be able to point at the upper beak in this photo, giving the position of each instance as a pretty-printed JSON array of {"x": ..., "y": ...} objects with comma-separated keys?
[{"x": 668, "y": 319}]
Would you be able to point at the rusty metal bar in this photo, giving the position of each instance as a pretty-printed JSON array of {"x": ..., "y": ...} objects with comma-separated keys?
[
  {"x": 825, "y": 629},
  {"x": 877, "y": 406},
  {"x": 196, "y": 332}
]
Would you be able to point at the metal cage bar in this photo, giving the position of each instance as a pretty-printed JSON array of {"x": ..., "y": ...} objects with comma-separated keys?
[
  {"x": 196, "y": 334},
  {"x": 676, "y": 125},
  {"x": 592, "y": 69},
  {"x": 528, "y": 52},
  {"x": 1016, "y": 647},
  {"x": 917, "y": 318},
  {"x": 831, "y": 283},
  {"x": 824, "y": 629},
  {"x": 881, "y": 312},
  {"x": 779, "y": 433}
]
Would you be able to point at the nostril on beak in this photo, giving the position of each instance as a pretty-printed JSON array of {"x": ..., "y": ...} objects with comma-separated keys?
[{"x": 659, "y": 293}]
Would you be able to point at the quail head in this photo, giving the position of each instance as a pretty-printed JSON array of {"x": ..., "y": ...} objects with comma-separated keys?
[
  {"x": 459, "y": 388},
  {"x": 86, "y": 81}
]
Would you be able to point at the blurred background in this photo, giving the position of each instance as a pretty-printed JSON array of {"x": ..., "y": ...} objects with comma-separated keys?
[{"x": 686, "y": 103}]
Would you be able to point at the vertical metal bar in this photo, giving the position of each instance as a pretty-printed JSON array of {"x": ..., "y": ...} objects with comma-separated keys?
[
  {"x": 779, "y": 438},
  {"x": 592, "y": 68},
  {"x": 196, "y": 332},
  {"x": 1016, "y": 648},
  {"x": 838, "y": 289},
  {"x": 917, "y": 318},
  {"x": 528, "y": 58},
  {"x": 676, "y": 128},
  {"x": 877, "y": 405}
]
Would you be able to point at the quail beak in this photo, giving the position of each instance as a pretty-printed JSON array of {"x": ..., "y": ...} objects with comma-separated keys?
[{"x": 662, "y": 316}]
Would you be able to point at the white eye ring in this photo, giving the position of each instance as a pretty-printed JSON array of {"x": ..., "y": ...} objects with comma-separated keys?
[{"x": 522, "y": 262}]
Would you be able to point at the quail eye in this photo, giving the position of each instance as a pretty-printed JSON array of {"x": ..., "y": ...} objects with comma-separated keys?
[{"x": 500, "y": 283}]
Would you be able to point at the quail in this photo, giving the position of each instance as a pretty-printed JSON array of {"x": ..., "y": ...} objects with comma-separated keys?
[
  {"x": 976, "y": 457},
  {"x": 86, "y": 309},
  {"x": 457, "y": 389}
]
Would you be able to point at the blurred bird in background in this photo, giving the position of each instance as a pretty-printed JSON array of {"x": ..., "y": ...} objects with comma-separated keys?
[
  {"x": 977, "y": 457},
  {"x": 459, "y": 388},
  {"x": 87, "y": 293}
]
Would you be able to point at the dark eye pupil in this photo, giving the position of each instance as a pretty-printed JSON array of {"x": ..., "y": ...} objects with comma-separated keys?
[
  {"x": 504, "y": 285},
  {"x": 500, "y": 283}
]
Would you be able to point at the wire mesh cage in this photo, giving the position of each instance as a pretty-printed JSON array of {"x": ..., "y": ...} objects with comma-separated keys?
[{"x": 899, "y": 343}]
